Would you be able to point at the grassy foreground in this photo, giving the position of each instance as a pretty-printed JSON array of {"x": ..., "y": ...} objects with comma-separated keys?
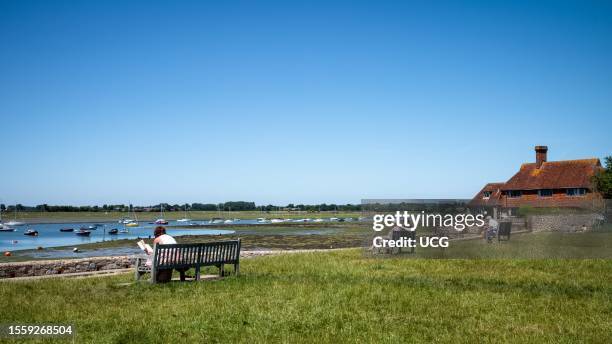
[{"x": 335, "y": 297}]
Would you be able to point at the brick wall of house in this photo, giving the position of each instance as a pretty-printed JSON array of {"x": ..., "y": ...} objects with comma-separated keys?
[{"x": 558, "y": 199}]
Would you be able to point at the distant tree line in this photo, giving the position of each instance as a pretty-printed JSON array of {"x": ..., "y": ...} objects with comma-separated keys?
[{"x": 226, "y": 206}]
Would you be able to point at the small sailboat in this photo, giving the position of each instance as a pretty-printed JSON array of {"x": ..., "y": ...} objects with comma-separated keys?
[
  {"x": 161, "y": 220},
  {"x": 128, "y": 221},
  {"x": 7, "y": 229},
  {"x": 216, "y": 220},
  {"x": 113, "y": 231},
  {"x": 184, "y": 219},
  {"x": 277, "y": 220},
  {"x": 317, "y": 220},
  {"x": 92, "y": 228},
  {"x": 262, "y": 220},
  {"x": 124, "y": 231},
  {"x": 14, "y": 222},
  {"x": 82, "y": 232},
  {"x": 30, "y": 232},
  {"x": 227, "y": 222},
  {"x": 67, "y": 230}
]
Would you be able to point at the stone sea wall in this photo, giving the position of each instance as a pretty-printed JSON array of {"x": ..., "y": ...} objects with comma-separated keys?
[
  {"x": 563, "y": 222},
  {"x": 67, "y": 266}
]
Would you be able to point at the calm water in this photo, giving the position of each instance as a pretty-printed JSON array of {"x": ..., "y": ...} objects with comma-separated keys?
[{"x": 49, "y": 235}]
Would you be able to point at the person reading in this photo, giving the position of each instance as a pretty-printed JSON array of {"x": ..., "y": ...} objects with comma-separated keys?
[{"x": 161, "y": 238}]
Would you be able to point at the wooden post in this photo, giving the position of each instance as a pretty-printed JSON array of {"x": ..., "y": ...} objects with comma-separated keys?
[
  {"x": 154, "y": 265},
  {"x": 237, "y": 265},
  {"x": 136, "y": 272}
]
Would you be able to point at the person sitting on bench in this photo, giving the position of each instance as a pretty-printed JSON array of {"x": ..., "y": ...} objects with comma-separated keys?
[{"x": 161, "y": 238}]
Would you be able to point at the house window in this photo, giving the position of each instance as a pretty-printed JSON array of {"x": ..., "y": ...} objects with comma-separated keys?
[
  {"x": 545, "y": 192},
  {"x": 575, "y": 192},
  {"x": 515, "y": 193},
  {"x": 487, "y": 195}
]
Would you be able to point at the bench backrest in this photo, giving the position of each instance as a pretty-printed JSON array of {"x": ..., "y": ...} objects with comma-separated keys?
[
  {"x": 192, "y": 255},
  {"x": 505, "y": 228}
]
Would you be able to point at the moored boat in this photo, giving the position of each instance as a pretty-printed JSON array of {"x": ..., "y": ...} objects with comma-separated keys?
[
  {"x": 30, "y": 232},
  {"x": 113, "y": 231},
  {"x": 67, "y": 230},
  {"x": 82, "y": 232},
  {"x": 7, "y": 229},
  {"x": 161, "y": 220}
]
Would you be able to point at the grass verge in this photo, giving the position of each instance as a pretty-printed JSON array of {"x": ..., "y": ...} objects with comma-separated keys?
[{"x": 335, "y": 297}]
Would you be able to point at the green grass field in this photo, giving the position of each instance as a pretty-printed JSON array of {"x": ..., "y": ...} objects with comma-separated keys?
[{"x": 335, "y": 297}]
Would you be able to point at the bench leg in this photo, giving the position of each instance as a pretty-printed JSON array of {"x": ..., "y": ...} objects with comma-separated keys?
[
  {"x": 221, "y": 270},
  {"x": 197, "y": 273},
  {"x": 237, "y": 269}
]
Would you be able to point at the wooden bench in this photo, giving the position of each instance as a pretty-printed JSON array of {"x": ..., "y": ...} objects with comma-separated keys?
[
  {"x": 186, "y": 256},
  {"x": 504, "y": 230}
]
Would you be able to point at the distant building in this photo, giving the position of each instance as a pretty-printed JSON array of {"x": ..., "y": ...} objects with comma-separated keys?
[{"x": 544, "y": 184}]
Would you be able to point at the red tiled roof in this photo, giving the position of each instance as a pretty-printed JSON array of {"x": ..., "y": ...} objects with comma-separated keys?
[
  {"x": 493, "y": 200},
  {"x": 554, "y": 175}
]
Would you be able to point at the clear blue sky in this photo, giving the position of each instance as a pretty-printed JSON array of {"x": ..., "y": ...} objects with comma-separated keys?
[{"x": 277, "y": 102}]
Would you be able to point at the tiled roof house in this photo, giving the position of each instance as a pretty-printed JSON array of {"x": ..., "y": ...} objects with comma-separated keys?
[{"x": 544, "y": 184}]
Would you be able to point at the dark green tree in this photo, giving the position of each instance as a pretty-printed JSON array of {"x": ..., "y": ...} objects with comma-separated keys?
[{"x": 603, "y": 179}]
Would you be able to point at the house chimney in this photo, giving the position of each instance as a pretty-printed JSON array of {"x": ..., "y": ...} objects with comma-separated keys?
[{"x": 540, "y": 155}]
